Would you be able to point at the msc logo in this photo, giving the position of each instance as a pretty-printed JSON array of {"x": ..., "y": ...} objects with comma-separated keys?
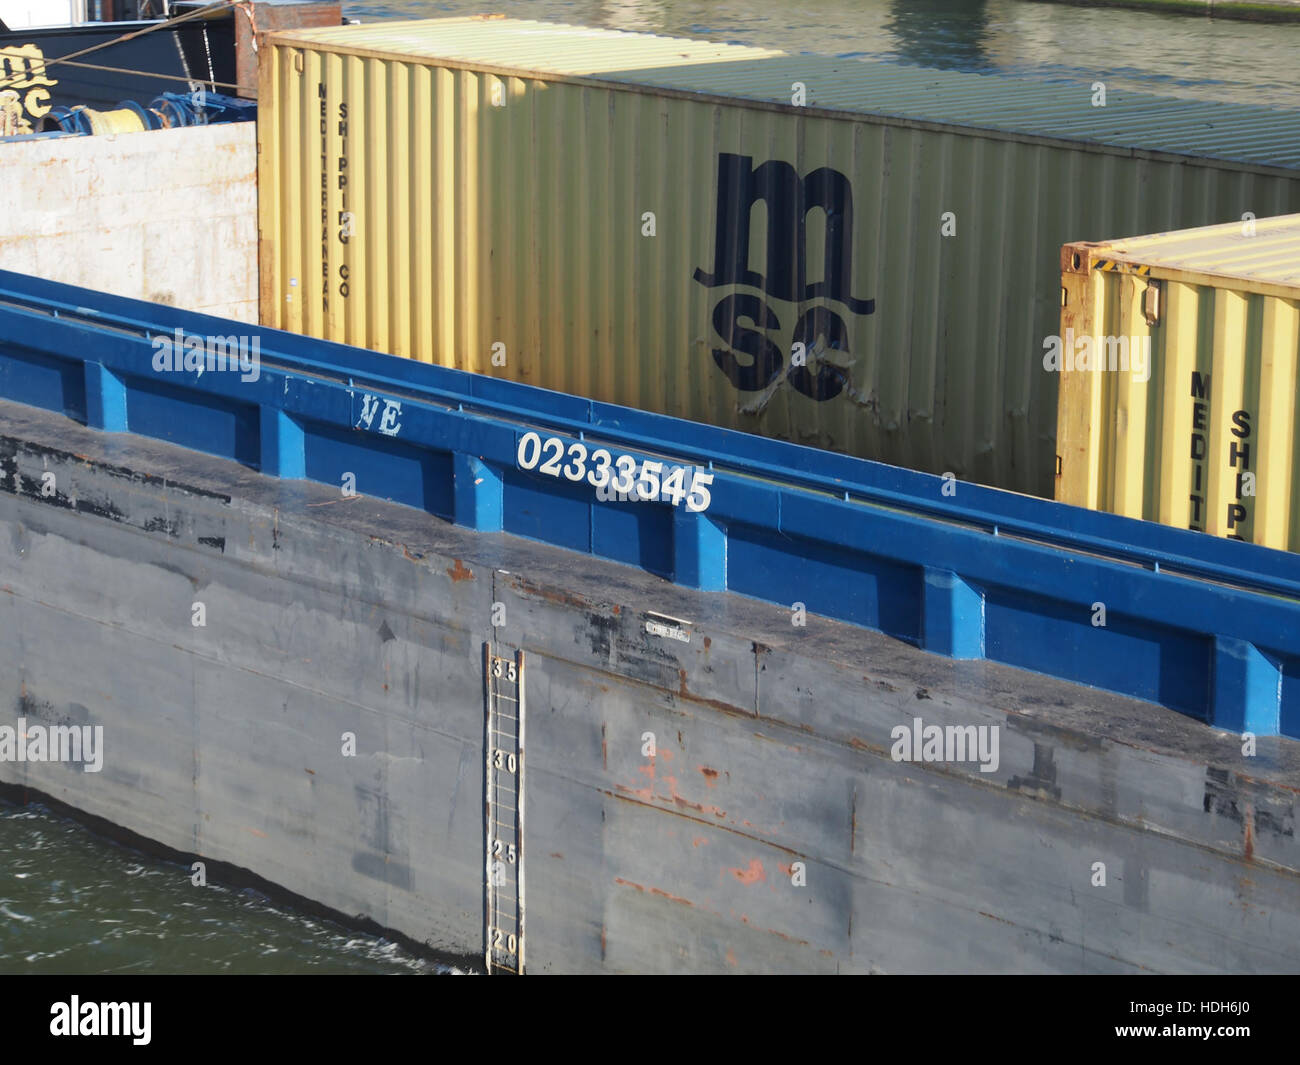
[
  {"x": 23, "y": 75},
  {"x": 789, "y": 200}
]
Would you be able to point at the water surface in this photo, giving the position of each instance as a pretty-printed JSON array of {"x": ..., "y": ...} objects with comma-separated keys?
[
  {"x": 74, "y": 902},
  {"x": 1175, "y": 55}
]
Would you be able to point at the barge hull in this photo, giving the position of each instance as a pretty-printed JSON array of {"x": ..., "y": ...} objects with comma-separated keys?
[{"x": 771, "y": 831}]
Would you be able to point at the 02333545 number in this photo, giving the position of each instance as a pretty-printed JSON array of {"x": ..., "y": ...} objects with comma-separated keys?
[{"x": 623, "y": 474}]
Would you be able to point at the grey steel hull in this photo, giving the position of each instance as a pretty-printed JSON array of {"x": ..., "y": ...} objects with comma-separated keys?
[{"x": 771, "y": 831}]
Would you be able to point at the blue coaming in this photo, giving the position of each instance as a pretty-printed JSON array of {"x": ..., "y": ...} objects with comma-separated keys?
[{"x": 1206, "y": 626}]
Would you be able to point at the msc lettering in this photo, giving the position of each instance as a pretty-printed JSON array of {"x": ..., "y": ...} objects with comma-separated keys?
[{"x": 788, "y": 199}]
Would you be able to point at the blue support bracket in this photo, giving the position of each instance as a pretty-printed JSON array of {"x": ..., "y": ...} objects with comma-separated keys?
[
  {"x": 105, "y": 399},
  {"x": 477, "y": 493},
  {"x": 1247, "y": 695},
  {"x": 699, "y": 551},
  {"x": 283, "y": 450},
  {"x": 952, "y": 616}
]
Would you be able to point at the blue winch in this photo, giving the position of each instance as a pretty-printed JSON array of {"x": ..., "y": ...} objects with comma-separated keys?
[{"x": 171, "y": 110}]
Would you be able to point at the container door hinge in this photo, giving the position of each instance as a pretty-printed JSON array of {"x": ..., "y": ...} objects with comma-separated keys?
[{"x": 1151, "y": 303}]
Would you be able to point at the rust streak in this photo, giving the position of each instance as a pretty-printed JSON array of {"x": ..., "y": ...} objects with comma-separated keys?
[
  {"x": 653, "y": 891},
  {"x": 552, "y": 595},
  {"x": 646, "y": 794},
  {"x": 642, "y": 795},
  {"x": 671, "y": 898},
  {"x": 716, "y": 811},
  {"x": 710, "y": 775},
  {"x": 1001, "y": 920},
  {"x": 716, "y": 704},
  {"x": 458, "y": 572}
]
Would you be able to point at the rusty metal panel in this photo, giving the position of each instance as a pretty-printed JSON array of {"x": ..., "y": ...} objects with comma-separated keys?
[
  {"x": 1183, "y": 409},
  {"x": 641, "y": 220},
  {"x": 257, "y": 18}
]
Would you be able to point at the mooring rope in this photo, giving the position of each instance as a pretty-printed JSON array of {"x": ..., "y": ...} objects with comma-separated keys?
[{"x": 45, "y": 64}]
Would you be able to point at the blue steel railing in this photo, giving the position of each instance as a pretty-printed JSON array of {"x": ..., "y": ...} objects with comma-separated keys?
[{"x": 1207, "y": 626}]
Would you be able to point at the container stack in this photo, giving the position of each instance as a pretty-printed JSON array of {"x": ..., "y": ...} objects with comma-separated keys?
[{"x": 858, "y": 256}]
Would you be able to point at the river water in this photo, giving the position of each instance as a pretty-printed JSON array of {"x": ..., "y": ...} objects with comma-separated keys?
[
  {"x": 73, "y": 902},
  {"x": 1172, "y": 55}
]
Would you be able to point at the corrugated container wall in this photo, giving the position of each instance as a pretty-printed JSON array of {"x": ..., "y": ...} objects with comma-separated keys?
[
  {"x": 659, "y": 223},
  {"x": 1183, "y": 406}
]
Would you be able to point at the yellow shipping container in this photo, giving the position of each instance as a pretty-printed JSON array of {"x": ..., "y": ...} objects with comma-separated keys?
[
  {"x": 857, "y": 256},
  {"x": 1178, "y": 389}
]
